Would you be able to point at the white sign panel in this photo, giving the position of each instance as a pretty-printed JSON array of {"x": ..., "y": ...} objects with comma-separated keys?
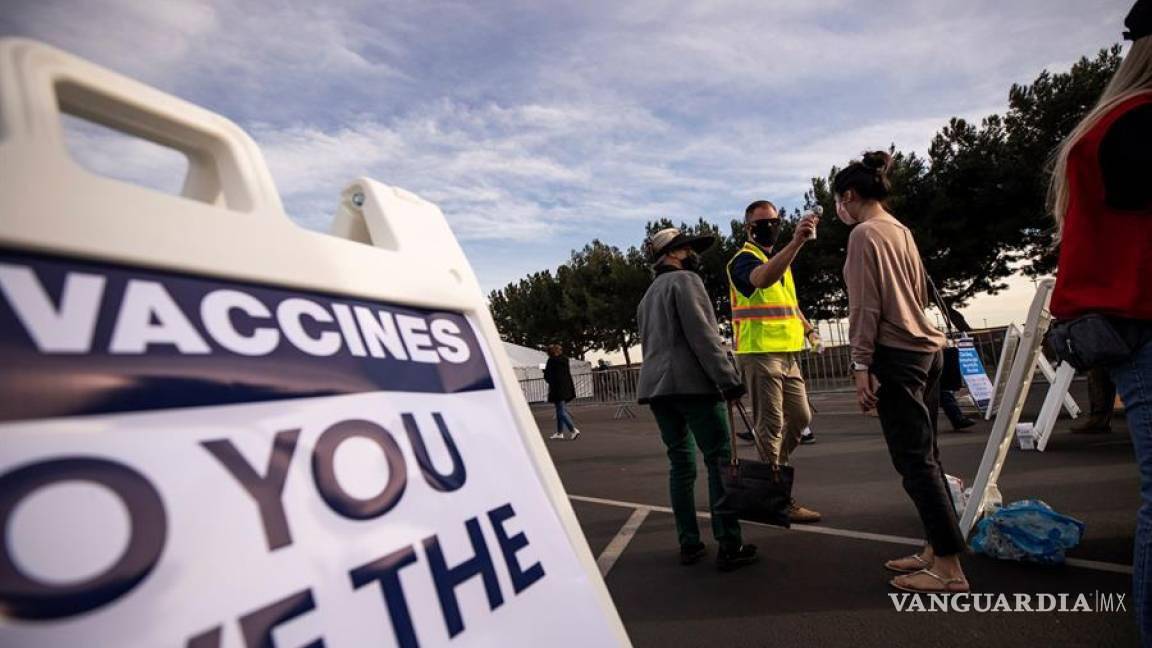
[{"x": 198, "y": 462}]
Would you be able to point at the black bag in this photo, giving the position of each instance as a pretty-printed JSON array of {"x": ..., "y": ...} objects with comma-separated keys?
[
  {"x": 950, "y": 377},
  {"x": 756, "y": 491},
  {"x": 1088, "y": 341}
]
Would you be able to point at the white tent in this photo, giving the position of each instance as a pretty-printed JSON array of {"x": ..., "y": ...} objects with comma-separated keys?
[{"x": 529, "y": 366}]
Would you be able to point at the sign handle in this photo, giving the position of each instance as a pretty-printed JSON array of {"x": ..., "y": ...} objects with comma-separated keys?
[{"x": 38, "y": 83}]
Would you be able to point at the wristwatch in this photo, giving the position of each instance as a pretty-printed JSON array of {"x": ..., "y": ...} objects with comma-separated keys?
[{"x": 856, "y": 366}]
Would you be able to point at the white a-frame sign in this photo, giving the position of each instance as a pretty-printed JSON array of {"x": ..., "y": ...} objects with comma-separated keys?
[
  {"x": 1024, "y": 350},
  {"x": 219, "y": 427}
]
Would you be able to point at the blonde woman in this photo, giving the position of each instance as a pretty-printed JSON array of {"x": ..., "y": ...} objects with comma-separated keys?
[{"x": 1101, "y": 198}]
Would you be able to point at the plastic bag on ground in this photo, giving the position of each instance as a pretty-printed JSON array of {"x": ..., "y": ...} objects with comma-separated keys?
[{"x": 1027, "y": 531}]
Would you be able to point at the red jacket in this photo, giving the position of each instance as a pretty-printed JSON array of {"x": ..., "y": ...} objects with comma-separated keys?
[{"x": 1105, "y": 253}]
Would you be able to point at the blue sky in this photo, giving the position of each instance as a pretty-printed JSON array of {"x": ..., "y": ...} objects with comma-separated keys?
[{"x": 537, "y": 126}]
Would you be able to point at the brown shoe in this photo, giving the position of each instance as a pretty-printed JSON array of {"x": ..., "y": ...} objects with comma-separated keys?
[
  {"x": 1092, "y": 424},
  {"x": 801, "y": 515}
]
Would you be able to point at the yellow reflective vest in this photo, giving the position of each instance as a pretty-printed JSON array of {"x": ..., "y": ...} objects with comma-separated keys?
[{"x": 768, "y": 321}]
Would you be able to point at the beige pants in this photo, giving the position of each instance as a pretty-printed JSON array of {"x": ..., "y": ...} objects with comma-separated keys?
[{"x": 779, "y": 400}]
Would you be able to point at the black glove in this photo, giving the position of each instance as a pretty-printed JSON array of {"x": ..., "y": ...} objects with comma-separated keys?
[{"x": 734, "y": 393}]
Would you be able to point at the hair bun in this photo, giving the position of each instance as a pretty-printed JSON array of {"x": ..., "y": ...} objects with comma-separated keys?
[
  {"x": 877, "y": 160},
  {"x": 868, "y": 176}
]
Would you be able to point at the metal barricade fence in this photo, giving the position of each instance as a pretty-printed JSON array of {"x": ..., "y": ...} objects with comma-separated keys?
[
  {"x": 618, "y": 387},
  {"x": 611, "y": 387},
  {"x": 536, "y": 389},
  {"x": 830, "y": 371},
  {"x": 615, "y": 385}
]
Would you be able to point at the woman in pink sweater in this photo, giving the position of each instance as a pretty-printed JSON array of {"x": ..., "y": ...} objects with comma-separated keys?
[{"x": 896, "y": 361}]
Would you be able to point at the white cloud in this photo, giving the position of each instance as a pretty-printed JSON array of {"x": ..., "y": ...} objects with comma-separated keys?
[
  {"x": 553, "y": 123},
  {"x": 448, "y": 157},
  {"x": 512, "y": 174},
  {"x": 216, "y": 47},
  {"x": 814, "y": 157},
  {"x": 143, "y": 39}
]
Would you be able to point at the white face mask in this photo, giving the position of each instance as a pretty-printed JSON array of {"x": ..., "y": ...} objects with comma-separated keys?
[{"x": 843, "y": 215}]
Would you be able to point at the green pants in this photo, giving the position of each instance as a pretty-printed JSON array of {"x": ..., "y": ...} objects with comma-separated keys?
[{"x": 681, "y": 420}]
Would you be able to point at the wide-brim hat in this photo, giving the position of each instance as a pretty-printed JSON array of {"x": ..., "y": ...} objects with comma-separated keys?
[{"x": 671, "y": 238}]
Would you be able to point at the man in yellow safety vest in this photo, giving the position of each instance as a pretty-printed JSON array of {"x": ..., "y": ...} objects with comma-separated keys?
[{"x": 768, "y": 332}]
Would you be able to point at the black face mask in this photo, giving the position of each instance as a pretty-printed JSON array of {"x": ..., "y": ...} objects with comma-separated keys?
[
  {"x": 766, "y": 232},
  {"x": 691, "y": 262}
]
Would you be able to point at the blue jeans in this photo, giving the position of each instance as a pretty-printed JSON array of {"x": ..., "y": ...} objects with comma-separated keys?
[
  {"x": 1134, "y": 384},
  {"x": 563, "y": 418}
]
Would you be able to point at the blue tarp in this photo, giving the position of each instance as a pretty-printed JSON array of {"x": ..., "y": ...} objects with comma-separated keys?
[{"x": 1028, "y": 531}]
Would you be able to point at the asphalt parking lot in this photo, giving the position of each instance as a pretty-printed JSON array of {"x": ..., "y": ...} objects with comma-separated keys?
[{"x": 825, "y": 584}]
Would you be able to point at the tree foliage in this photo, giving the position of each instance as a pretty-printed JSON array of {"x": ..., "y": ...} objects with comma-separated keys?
[
  {"x": 531, "y": 312},
  {"x": 589, "y": 303},
  {"x": 602, "y": 285},
  {"x": 977, "y": 204}
]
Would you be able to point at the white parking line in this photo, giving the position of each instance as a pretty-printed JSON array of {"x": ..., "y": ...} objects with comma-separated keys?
[
  {"x": 1099, "y": 566},
  {"x": 1116, "y": 568},
  {"x": 612, "y": 552}
]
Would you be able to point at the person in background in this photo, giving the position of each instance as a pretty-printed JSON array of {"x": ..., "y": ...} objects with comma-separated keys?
[
  {"x": 948, "y": 401},
  {"x": 895, "y": 345},
  {"x": 1101, "y": 198},
  {"x": 561, "y": 390},
  {"x": 686, "y": 377},
  {"x": 768, "y": 333}
]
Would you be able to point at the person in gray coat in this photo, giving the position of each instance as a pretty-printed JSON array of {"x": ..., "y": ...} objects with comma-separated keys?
[{"x": 686, "y": 377}]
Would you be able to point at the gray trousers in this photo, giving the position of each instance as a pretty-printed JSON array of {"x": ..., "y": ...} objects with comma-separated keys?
[{"x": 779, "y": 400}]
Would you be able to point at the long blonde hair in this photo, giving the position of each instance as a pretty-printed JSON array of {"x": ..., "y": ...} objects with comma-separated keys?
[{"x": 1132, "y": 77}]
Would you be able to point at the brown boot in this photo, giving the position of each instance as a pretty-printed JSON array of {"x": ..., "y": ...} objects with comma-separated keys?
[
  {"x": 1098, "y": 423},
  {"x": 1101, "y": 397},
  {"x": 801, "y": 515}
]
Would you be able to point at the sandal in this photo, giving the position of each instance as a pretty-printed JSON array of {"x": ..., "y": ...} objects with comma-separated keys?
[
  {"x": 924, "y": 564},
  {"x": 947, "y": 585}
]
